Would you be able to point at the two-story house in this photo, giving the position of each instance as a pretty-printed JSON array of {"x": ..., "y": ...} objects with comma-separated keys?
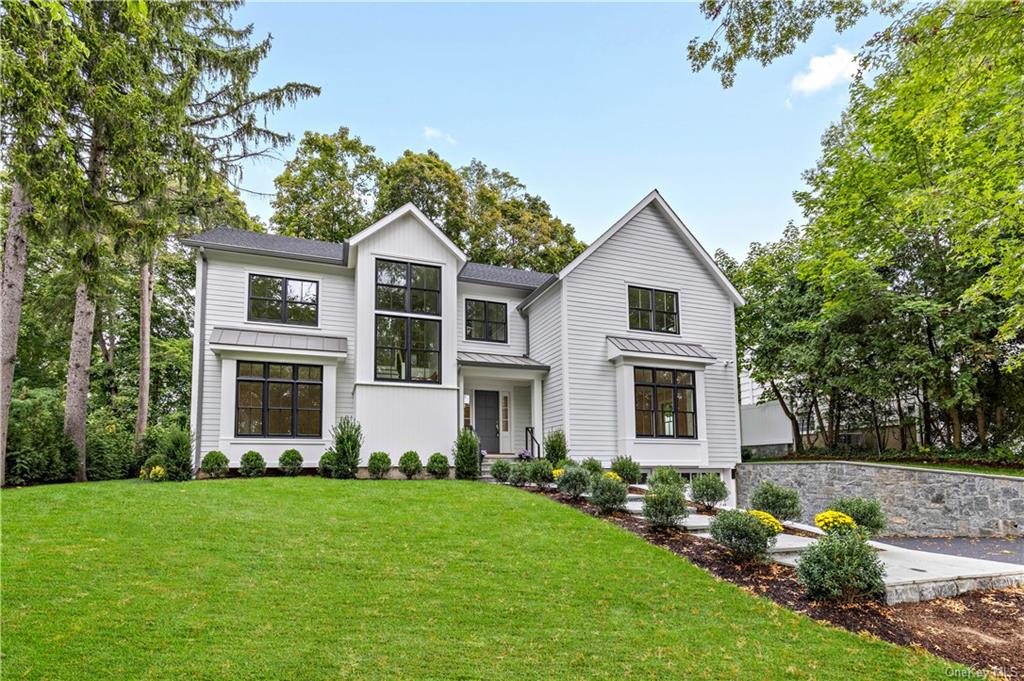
[{"x": 630, "y": 349}]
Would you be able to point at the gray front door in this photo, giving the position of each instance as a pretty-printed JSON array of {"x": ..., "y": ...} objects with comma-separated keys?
[{"x": 487, "y": 420}]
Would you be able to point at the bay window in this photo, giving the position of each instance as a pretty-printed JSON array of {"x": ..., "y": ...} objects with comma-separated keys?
[
  {"x": 278, "y": 400},
  {"x": 665, "y": 402}
]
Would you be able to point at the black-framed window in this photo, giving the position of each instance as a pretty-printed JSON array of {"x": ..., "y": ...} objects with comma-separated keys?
[
  {"x": 278, "y": 400},
  {"x": 283, "y": 300},
  {"x": 407, "y": 349},
  {"x": 486, "y": 321},
  {"x": 408, "y": 287},
  {"x": 665, "y": 401},
  {"x": 652, "y": 309}
]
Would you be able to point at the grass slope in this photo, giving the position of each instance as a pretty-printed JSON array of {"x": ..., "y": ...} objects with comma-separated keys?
[{"x": 312, "y": 578}]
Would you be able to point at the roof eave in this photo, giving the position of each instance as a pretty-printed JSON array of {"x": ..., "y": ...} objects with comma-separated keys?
[
  {"x": 486, "y": 282},
  {"x": 214, "y": 246}
]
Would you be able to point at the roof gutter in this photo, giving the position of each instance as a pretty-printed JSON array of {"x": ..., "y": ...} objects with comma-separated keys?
[
  {"x": 270, "y": 254},
  {"x": 538, "y": 292},
  {"x": 484, "y": 282}
]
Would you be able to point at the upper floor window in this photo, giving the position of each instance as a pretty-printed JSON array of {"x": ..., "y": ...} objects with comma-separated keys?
[
  {"x": 665, "y": 402},
  {"x": 407, "y": 349},
  {"x": 408, "y": 287},
  {"x": 653, "y": 310},
  {"x": 486, "y": 321},
  {"x": 282, "y": 300},
  {"x": 278, "y": 400}
]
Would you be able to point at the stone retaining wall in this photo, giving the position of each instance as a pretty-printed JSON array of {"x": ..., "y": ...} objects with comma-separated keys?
[{"x": 918, "y": 502}]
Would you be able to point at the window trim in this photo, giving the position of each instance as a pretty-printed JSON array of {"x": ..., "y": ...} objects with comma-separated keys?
[
  {"x": 409, "y": 319},
  {"x": 265, "y": 382},
  {"x": 675, "y": 387},
  {"x": 283, "y": 318},
  {"x": 408, "y": 288},
  {"x": 652, "y": 310},
  {"x": 486, "y": 320}
]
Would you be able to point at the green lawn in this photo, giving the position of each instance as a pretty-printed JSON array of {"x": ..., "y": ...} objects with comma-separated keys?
[{"x": 311, "y": 578}]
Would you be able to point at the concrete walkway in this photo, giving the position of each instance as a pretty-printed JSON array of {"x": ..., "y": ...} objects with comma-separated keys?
[{"x": 1000, "y": 549}]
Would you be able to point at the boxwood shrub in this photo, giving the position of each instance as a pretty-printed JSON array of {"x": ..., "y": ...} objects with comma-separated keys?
[
  {"x": 518, "y": 475},
  {"x": 539, "y": 472},
  {"x": 290, "y": 462},
  {"x": 663, "y": 504},
  {"x": 867, "y": 513},
  {"x": 665, "y": 476},
  {"x": 410, "y": 464},
  {"x": 608, "y": 494},
  {"x": 574, "y": 482},
  {"x": 379, "y": 465},
  {"x": 707, "y": 490},
  {"x": 500, "y": 470},
  {"x": 252, "y": 465},
  {"x": 437, "y": 465},
  {"x": 744, "y": 535},
  {"x": 215, "y": 464},
  {"x": 781, "y": 502},
  {"x": 591, "y": 465},
  {"x": 627, "y": 469},
  {"x": 841, "y": 566},
  {"x": 327, "y": 462}
]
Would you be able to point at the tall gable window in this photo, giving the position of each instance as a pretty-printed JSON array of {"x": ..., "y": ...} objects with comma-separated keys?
[
  {"x": 665, "y": 402},
  {"x": 653, "y": 310},
  {"x": 486, "y": 321},
  {"x": 408, "y": 287},
  {"x": 408, "y": 344},
  {"x": 283, "y": 300},
  {"x": 278, "y": 400}
]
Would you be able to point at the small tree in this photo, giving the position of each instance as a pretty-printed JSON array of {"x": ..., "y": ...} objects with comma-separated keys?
[
  {"x": 556, "y": 448},
  {"x": 467, "y": 455},
  {"x": 707, "y": 491},
  {"x": 176, "y": 446},
  {"x": 348, "y": 440}
]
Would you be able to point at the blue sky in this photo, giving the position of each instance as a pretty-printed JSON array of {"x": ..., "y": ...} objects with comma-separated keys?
[{"x": 591, "y": 106}]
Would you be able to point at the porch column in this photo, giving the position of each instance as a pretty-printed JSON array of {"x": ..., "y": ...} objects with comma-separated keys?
[{"x": 537, "y": 409}]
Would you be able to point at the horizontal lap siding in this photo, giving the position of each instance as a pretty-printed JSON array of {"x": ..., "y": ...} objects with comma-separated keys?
[
  {"x": 520, "y": 417},
  {"x": 546, "y": 347},
  {"x": 646, "y": 251}
]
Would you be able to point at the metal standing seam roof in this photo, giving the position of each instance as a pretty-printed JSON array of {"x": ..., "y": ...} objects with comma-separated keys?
[
  {"x": 278, "y": 340},
  {"x": 244, "y": 241},
  {"x": 486, "y": 359},
  {"x": 657, "y": 347},
  {"x": 480, "y": 273}
]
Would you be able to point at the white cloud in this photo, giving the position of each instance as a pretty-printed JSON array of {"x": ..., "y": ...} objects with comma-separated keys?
[
  {"x": 434, "y": 134},
  {"x": 824, "y": 72},
  {"x": 788, "y": 103}
]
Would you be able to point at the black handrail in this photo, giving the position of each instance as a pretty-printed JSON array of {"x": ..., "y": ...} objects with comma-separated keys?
[{"x": 531, "y": 443}]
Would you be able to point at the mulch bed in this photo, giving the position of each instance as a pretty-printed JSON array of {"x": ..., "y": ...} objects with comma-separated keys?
[{"x": 980, "y": 629}]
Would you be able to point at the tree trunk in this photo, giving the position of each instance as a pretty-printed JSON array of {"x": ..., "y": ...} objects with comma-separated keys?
[
  {"x": 979, "y": 414},
  {"x": 79, "y": 360},
  {"x": 956, "y": 436},
  {"x": 877, "y": 426},
  {"x": 12, "y": 292},
  {"x": 902, "y": 421},
  {"x": 794, "y": 423},
  {"x": 107, "y": 347},
  {"x": 823, "y": 431},
  {"x": 926, "y": 415},
  {"x": 145, "y": 317}
]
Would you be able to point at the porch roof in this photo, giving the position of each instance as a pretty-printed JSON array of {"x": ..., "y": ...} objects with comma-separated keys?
[
  {"x": 657, "y": 347},
  {"x": 486, "y": 359},
  {"x": 278, "y": 340}
]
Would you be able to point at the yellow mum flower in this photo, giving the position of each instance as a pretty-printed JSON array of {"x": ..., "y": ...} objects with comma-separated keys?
[
  {"x": 768, "y": 520},
  {"x": 834, "y": 520},
  {"x": 143, "y": 473},
  {"x": 157, "y": 473},
  {"x": 557, "y": 473},
  {"x": 613, "y": 475}
]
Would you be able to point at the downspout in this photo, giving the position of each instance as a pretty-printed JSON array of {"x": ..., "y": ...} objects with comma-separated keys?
[
  {"x": 526, "y": 325},
  {"x": 201, "y": 368}
]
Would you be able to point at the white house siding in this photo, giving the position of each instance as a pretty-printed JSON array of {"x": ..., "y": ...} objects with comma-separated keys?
[
  {"x": 647, "y": 251},
  {"x": 520, "y": 417},
  {"x": 516, "y": 344},
  {"x": 546, "y": 346},
  {"x": 226, "y": 300}
]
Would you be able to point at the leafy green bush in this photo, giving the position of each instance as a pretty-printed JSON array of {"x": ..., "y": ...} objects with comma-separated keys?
[
  {"x": 574, "y": 482},
  {"x": 37, "y": 449},
  {"x": 707, "y": 491},
  {"x": 663, "y": 504},
  {"x": 176, "y": 446},
  {"x": 608, "y": 494},
  {"x": 348, "y": 440},
  {"x": 841, "y": 566},
  {"x": 556, "y": 447},
  {"x": 155, "y": 460},
  {"x": 325, "y": 468},
  {"x": 518, "y": 474},
  {"x": 290, "y": 462},
  {"x": 410, "y": 464},
  {"x": 437, "y": 465},
  {"x": 539, "y": 471},
  {"x": 627, "y": 469},
  {"x": 665, "y": 476},
  {"x": 467, "y": 455},
  {"x": 591, "y": 465},
  {"x": 110, "y": 446},
  {"x": 252, "y": 465},
  {"x": 500, "y": 470},
  {"x": 379, "y": 465},
  {"x": 781, "y": 502},
  {"x": 867, "y": 513},
  {"x": 743, "y": 534},
  {"x": 215, "y": 464}
]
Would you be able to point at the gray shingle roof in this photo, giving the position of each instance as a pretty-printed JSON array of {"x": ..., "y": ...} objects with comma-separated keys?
[
  {"x": 244, "y": 241},
  {"x": 480, "y": 273},
  {"x": 486, "y": 359},
  {"x": 657, "y": 347},
  {"x": 278, "y": 340}
]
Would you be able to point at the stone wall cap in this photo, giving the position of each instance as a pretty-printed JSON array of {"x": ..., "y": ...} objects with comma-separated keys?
[{"x": 873, "y": 464}]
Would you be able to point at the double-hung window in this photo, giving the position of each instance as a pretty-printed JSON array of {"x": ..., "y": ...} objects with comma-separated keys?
[
  {"x": 282, "y": 300},
  {"x": 278, "y": 400},
  {"x": 666, "y": 402},
  {"x": 486, "y": 321},
  {"x": 407, "y": 344},
  {"x": 653, "y": 310}
]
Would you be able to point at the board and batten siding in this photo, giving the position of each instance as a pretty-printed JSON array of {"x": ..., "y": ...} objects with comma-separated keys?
[
  {"x": 516, "y": 344},
  {"x": 646, "y": 251},
  {"x": 546, "y": 335}
]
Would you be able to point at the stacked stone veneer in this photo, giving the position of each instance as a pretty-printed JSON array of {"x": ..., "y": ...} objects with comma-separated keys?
[{"x": 918, "y": 502}]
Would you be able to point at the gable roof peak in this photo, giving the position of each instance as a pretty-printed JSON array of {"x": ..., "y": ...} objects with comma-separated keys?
[{"x": 402, "y": 211}]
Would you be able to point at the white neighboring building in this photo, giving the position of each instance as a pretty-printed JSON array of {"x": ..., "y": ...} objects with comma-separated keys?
[
  {"x": 629, "y": 349},
  {"x": 766, "y": 428}
]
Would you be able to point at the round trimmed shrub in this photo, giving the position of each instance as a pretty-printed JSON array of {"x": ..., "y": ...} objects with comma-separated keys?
[
  {"x": 410, "y": 464},
  {"x": 665, "y": 476},
  {"x": 539, "y": 472},
  {"x": 867, "y": 513},
  {"x": 379, "y": 465},
  {"x": 574, "y": 482},
  {"x": 151, "y": 462},
  {"x": 290, "y": 462},
  {"x": 707, "y": 491},
  {"x": 252, "y": 465},
  {"x": 781, "y": 502},
  {"x": 215, "y": 464},
  {"x": 518, "y": 475},
  {"x": 591, "y": 465},
  {"x": 743, "y": 534},
  {"x": 328, "y": 461},
  {"x": 500, "y": 470},
  {"x": 176, "y": 446},
  {"x": 663, "y": 504},
  {"x": 467, "y": 455},
  {"x": 437, "y": 465},
  {"x": 627, "y": 469},
  {"x": 841, "y": 566},
  {"x": 608, "y": 494}
]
